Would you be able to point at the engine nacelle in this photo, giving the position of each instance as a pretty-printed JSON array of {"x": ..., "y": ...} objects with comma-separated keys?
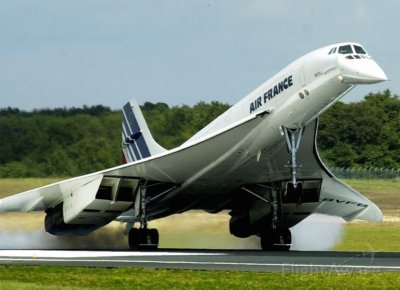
[
  {"x": 246, "y": 224},
  {"x": 54, "y": 224},
  {"x": 91, "y": 205}
]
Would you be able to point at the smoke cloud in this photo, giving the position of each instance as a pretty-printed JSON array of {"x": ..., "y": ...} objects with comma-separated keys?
[
  {"x": 317, "y": 233},
  {"x": 26, "y": 231},
  {"x": 191, "y": 230}
]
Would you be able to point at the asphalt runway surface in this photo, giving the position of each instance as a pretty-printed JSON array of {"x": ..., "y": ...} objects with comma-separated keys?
[{"x": 240, "y": 260}]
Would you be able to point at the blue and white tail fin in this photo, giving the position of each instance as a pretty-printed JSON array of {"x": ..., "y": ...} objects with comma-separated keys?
[{"x": 137, "y": 141}]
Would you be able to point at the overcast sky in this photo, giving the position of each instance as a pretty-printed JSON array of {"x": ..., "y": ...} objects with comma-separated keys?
[{"x": 71, "y": 53}]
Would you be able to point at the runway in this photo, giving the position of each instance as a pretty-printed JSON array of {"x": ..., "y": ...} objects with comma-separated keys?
[{"x": 240, "y": 260}]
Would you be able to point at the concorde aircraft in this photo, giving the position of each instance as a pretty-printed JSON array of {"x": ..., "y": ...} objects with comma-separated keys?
[{"x": 258, "y": 160}]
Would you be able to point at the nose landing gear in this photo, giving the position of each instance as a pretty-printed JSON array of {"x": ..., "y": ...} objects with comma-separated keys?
[{"x": 293, "y": 138}]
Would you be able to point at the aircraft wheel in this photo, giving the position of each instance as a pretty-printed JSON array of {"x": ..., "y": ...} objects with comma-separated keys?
[
  {"x": 299, "y": 192},
  {"x": 154, "y": 236},
  {"x": 143, "y": 239},
  {"x": 276, "y": 240},
  {"x": 134, "y": 239}
]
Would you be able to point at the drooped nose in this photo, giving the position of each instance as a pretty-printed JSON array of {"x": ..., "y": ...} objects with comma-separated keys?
[
  {"x": 371, "y": 72},
  {"x": 361, "y": 71}
]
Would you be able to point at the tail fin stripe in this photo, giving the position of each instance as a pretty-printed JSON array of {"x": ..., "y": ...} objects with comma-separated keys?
[
  {"x": 137, "y": 141},
  {"x": 134, "y": 128},
  {"x": 128, "y": 151},
  {"x": 128, "y": 155},
  {"x": 129, "y": 141},
  {"x": 130, "y": 118},
  {"x": 130, "y": 147}
]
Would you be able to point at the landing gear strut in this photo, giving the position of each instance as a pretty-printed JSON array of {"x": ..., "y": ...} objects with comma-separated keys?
[
  {"x": 143, "y": 238},
  {"x": 293, "y": 138}
]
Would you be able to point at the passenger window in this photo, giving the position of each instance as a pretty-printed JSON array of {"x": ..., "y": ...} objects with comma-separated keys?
[
  {"x": 359, "y": 49},
  {"x": 345, "y": 49}
]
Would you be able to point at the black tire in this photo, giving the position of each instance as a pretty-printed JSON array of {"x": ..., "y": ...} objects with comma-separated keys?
[
  {"x": 285, "y": 237},
  {"x": 134, "y": 238},
  {"x": 290, "y": 189},
  {"x": 150, "y": 240},
  {"x": 143, "y": 239},
  {"x": 154, "y": 236},
  {"x": 299, "y": 192},
  {"x": 276, "y": 240},
  {"x": 267, "y": 240}
]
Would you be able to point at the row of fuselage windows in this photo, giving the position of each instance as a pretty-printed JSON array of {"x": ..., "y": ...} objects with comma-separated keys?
[{"x": 348, "y": 49}]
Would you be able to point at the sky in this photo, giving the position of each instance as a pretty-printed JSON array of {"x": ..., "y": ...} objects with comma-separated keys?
[{"x": 72, "y": 53}]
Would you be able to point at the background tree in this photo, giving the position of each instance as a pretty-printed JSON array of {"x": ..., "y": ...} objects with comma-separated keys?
[{"x": 74, "y": 141}]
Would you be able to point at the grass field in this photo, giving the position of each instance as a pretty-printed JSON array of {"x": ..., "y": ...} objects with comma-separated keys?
[
  {"x": 40, "y": 277},
  {"x": 385, "y": 236},
  {"x": 210, "y": 231},
  {"x": 385, "y": 193}
]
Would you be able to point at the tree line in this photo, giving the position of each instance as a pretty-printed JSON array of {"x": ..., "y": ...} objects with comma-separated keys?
[{"x": 74, "y": 141}]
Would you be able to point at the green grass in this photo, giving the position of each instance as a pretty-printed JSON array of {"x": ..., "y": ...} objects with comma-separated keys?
[
  {"x": 375, "y": 184},
  {"x": 363, "y": 236},
  {"x": 41, "y": 277},
  {"x": 370, "y": 237},
  {"x": 384, "y": 192},
  {"x": 9, "y": 186}
]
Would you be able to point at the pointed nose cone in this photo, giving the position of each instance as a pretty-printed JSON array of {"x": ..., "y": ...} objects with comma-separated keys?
[
  {"x": 361, "y": 71},
  {"x": 374, "y": 74}
]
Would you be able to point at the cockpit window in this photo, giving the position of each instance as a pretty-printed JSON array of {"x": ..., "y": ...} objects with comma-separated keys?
[
  {"x": 333, "y": 50},
  {"x": 345, "y": 49},
  {"x": 359, "y": 49}
]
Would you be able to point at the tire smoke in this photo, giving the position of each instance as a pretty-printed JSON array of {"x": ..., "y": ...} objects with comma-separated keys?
[
  {"x": 196, "y": 230},
  {"x": 317, "y": 232}
]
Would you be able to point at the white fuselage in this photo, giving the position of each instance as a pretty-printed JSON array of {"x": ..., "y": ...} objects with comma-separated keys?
[{"x": 303, "y": 90}]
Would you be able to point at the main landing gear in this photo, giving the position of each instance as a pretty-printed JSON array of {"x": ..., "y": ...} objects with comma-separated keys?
[
  {"x": 276, "y": 238},
  {"x": 293, "y": 138},
  {"x": 143, "y": 238}
]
